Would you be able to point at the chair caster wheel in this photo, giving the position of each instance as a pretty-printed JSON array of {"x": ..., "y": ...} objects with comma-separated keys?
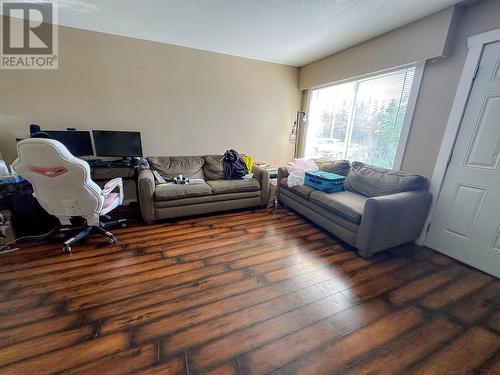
[
  {"x": 67, "y": 249},
  {"x": 113, "y": 240}
]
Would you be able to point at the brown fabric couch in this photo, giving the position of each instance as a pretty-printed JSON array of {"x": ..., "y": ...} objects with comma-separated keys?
[{"x": 167, "y": 201}]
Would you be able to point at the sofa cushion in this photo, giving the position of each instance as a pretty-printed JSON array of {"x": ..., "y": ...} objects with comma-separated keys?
[
  {"x": 207, "y": 199},
  {"x": 213, "y": 167},
  {"x": 171, "y": 166},
  {"x": 346, "y": 204},
  {"x": 171, "y": 191},
  {"x": 374, "y": 181},
  {"x": 302, "y": 190},
  {"x": 341, "y": 167},
  {"x": 234, "y": 186},
  {"x": 320, "y": 210}
]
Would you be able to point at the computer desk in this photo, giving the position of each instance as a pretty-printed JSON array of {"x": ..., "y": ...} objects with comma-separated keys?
[{"x": 103, "y": 171}]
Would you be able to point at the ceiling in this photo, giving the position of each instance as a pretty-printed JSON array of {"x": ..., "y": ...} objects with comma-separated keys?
[{"x": 293, "y": 32}]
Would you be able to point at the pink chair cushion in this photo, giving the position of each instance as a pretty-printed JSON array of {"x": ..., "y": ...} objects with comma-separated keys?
[{"x": 110, "y": 198}]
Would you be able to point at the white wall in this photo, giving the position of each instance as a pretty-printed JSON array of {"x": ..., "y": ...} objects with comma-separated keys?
[
  {"x": 423, "y": 38},
  {"x": 439, "y": 85},
  {"x": 417, "y": 41}
]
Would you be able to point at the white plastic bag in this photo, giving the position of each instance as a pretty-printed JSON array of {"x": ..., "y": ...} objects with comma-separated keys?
[{"x": 297, "y": 170}]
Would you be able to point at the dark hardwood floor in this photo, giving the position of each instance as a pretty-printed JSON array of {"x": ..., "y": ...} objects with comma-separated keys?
[{"x": 250, "y": 292}]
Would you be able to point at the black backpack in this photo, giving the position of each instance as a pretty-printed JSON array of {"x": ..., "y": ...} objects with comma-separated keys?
[{"x": 234, "y": 166}]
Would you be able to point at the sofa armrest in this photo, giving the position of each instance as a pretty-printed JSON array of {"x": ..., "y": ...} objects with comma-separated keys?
[
  {"x": 262, "y": 175},
  {"x": 146, "y": 184},
  {"x": 282, "y": 173},
  {"x": 392, "y": 220}
]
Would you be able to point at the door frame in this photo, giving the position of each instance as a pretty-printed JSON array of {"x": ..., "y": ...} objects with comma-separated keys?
[{"x": 475, "y": 45}]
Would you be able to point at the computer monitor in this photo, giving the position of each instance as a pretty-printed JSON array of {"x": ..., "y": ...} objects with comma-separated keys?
[
  {"x": 77, "y": 142},
  {"x": 117, "y": 143}
]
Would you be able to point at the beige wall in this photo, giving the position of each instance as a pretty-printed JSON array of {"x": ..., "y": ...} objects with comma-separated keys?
[
  {"x": 439, "y": 82},
  {"x": 439, "y": 85},
  {"x": 417, "y": 41},
  {"x": 184, "y": 101},
  {"x": 187, "y": 101}
]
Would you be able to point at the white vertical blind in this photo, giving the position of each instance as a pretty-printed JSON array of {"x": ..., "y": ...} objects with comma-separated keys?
[{"x": 359, "y": 120}]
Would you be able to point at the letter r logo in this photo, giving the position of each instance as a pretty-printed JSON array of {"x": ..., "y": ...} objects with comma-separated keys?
[{"x": 27, "y": 29}]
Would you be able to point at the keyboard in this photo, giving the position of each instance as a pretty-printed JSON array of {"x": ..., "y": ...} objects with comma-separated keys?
[
  {"x": 95, "y": 162},
  {"x": 99, "y": 163}
]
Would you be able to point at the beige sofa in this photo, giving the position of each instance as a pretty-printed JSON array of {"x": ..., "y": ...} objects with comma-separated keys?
[
  {"x": 167, "y": 201},
  {"x": 379, "y": 208}
]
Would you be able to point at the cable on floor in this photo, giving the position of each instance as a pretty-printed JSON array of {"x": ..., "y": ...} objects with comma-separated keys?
[{"x": 6, "y": 248}]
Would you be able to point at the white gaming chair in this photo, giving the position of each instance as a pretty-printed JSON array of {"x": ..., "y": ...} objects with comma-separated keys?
[{"x": 63, "y": 187}]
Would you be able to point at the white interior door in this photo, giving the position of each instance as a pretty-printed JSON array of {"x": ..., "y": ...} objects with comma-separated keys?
[{"x": 466, "y": 222}]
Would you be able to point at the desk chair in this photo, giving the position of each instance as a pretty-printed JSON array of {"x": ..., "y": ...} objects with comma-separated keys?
[{"x": 63, "y": 187}]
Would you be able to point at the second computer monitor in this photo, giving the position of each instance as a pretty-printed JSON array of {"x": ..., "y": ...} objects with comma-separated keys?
[{"x": 117, "y": 143}]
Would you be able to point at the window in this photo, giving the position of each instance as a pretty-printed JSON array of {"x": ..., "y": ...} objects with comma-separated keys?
[{"x": 362, "y": 120}]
